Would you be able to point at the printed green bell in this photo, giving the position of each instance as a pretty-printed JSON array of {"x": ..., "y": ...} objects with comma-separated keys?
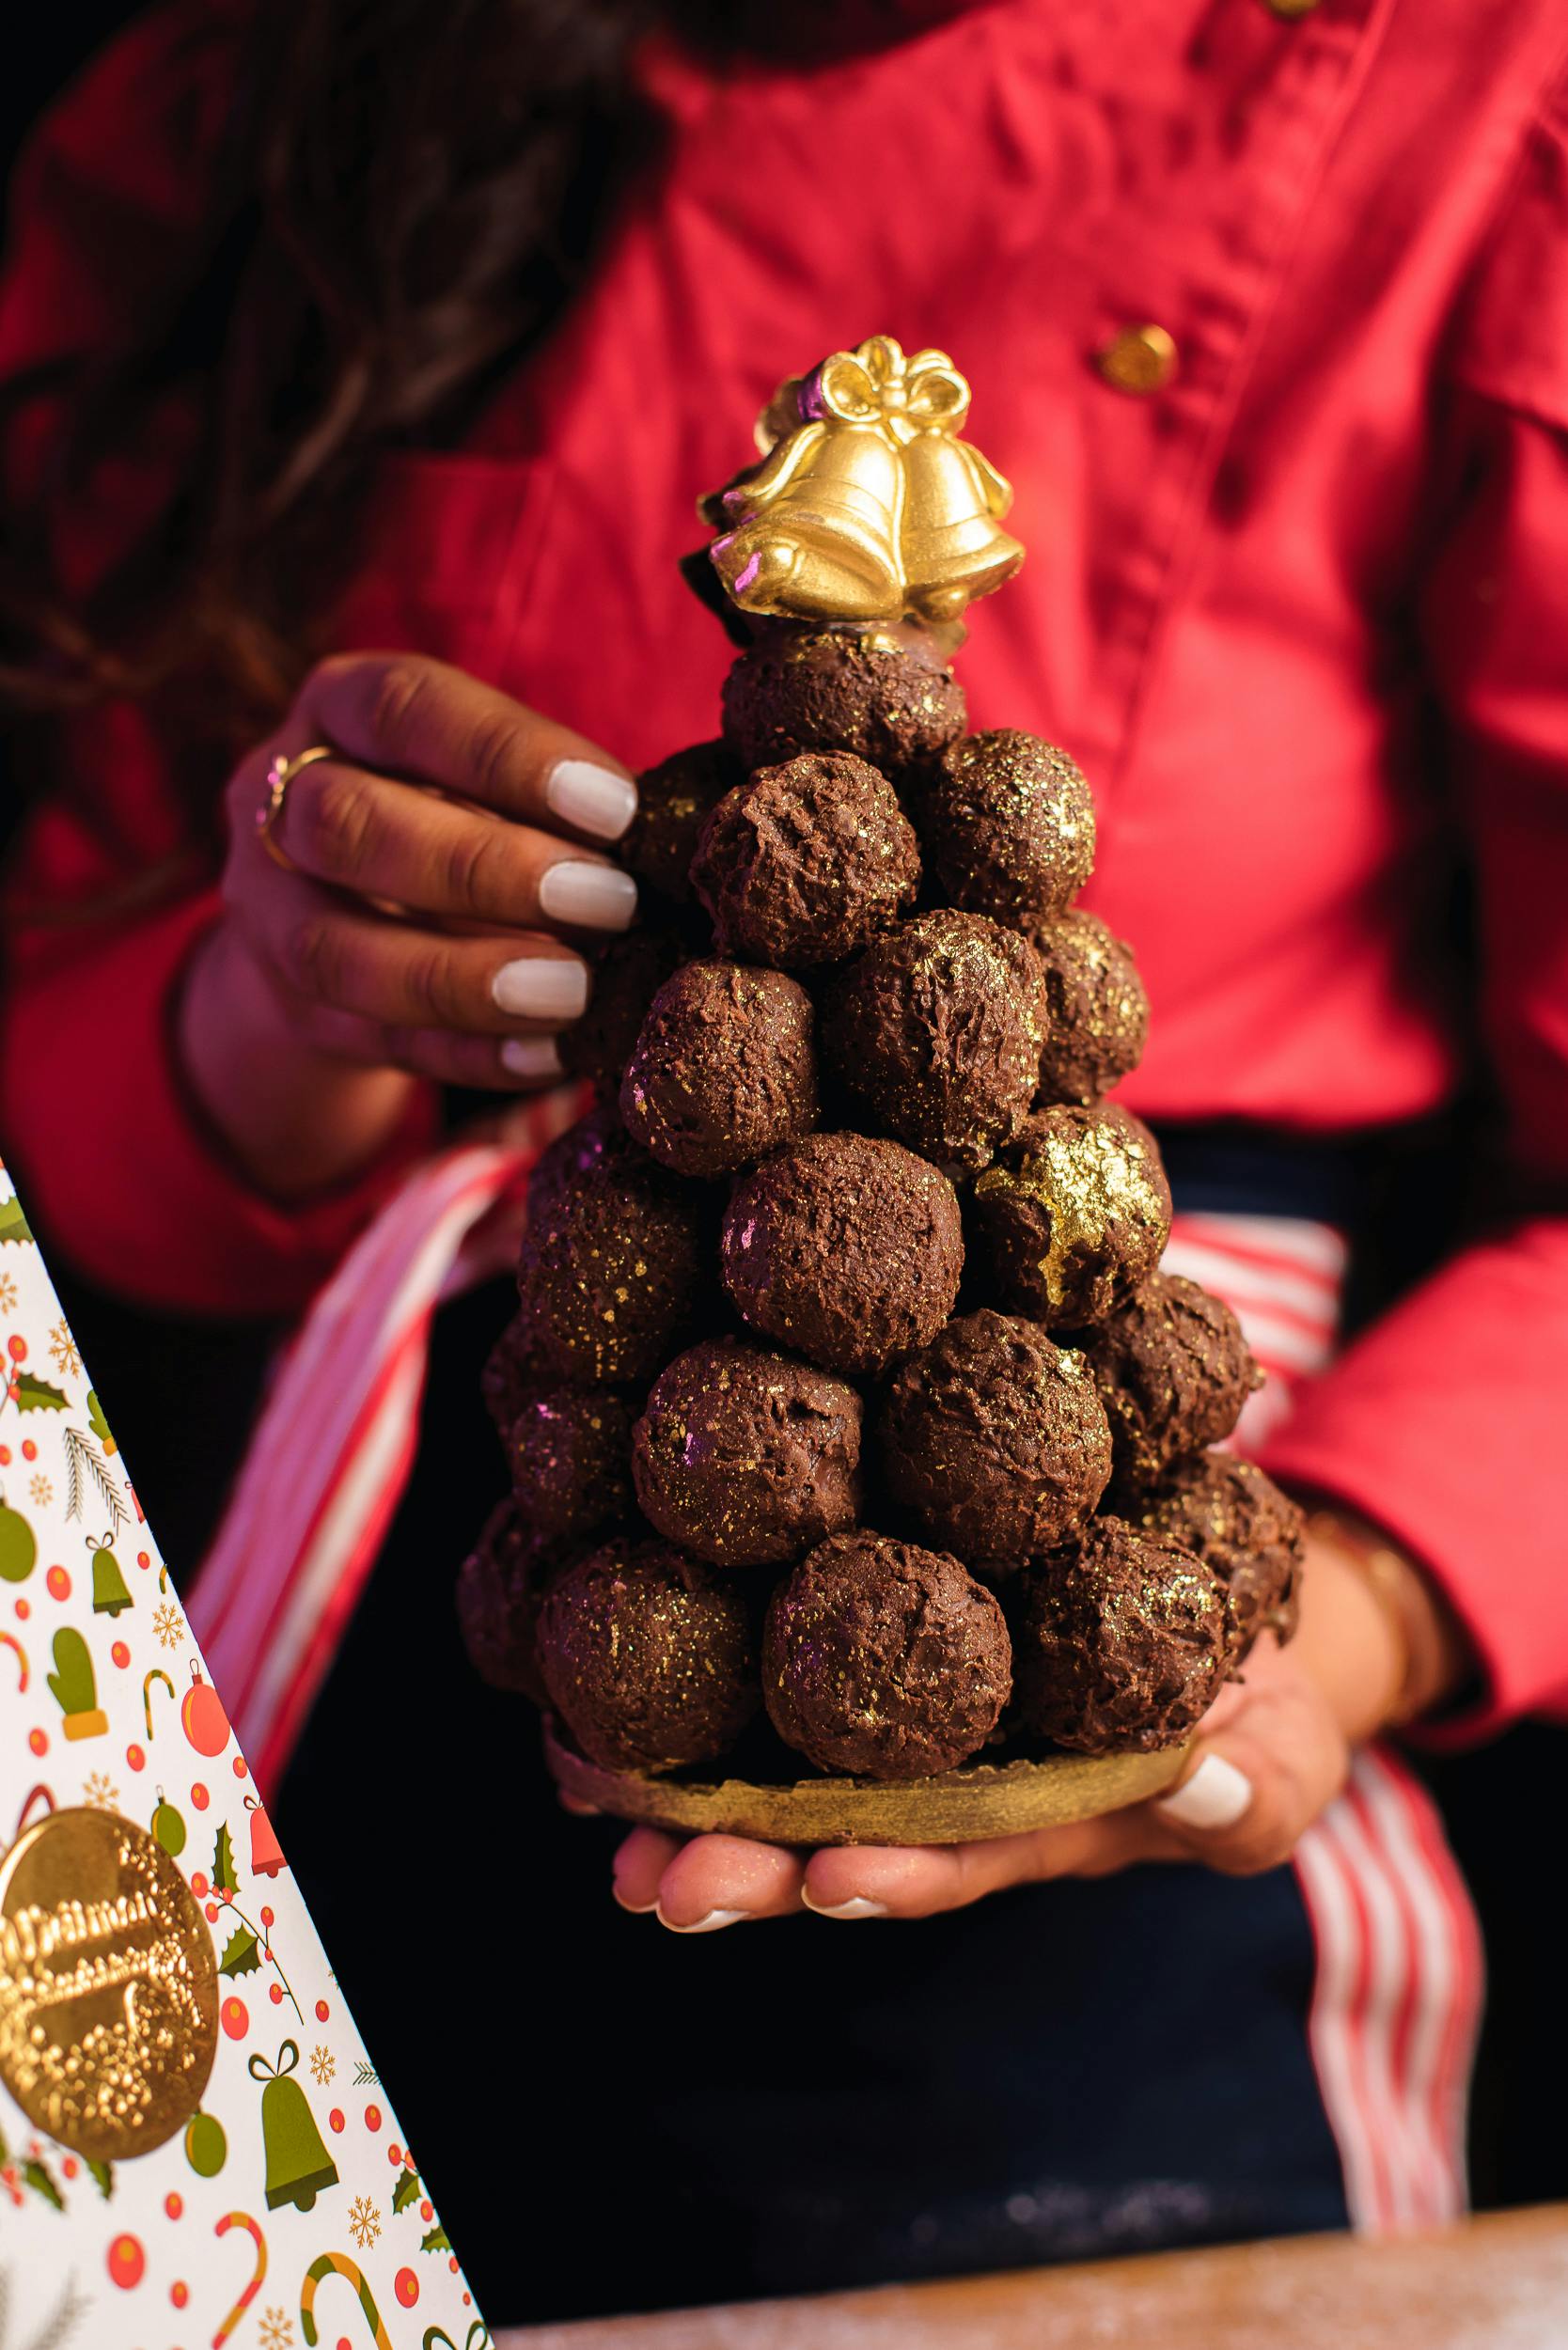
[
  {"x": 298, "y": 2164},
  {"x": 109, "y": 1594}
]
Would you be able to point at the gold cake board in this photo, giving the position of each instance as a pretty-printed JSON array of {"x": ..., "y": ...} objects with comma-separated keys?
[{"x": 976, "y": 1801}]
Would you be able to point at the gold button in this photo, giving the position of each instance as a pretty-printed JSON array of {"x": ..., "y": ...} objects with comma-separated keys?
[
  {"x": 1139, "y": 359},
  {"x": 1289, "y": 9}
]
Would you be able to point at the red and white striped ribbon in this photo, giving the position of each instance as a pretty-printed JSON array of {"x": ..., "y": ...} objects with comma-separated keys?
[{"x": 1397, "y": 1992}]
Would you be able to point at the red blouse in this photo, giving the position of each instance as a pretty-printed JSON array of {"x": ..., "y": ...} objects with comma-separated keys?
[{"x": 1300, "y": 608}]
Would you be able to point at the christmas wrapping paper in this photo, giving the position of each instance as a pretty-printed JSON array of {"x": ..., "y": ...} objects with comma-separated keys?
[{"x": 195, "y": 2146}]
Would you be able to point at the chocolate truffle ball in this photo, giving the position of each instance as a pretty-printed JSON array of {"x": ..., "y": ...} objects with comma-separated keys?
[
  {"x": 746, "y": 1458},
  {"x": 1007, "y": 824},
  {"x": 1173, "y": 1371},
  {"x": 1074, "y": 1214},
  {"x": 994, "y": 1439},
  {"x": 1239, "y": 1523},
  {"x": 611, "y": 1269},
  {"x": 892, "y": 701},
  {"x": 570, "y": 1452},
  {"x": 883, "y": 1660},
  {"x": 1097, "y": 1013},
  {"x": 649, "y": 1657},
  {"x": 937, "y": 1032},
  {"x": 626, "y": 978},
  {"x": 723, "y": 1070},
  {"x": 846, "y": 1248},
  {"x": 509, "y": 1375},
  {"x": 673, "y": 803},
  {"x": 803, "y": 863},
  {"x": 1120, "y": 1643},
  {"x": 500, "y": 1588}
]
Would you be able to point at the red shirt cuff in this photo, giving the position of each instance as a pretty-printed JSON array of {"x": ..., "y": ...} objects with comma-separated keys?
[{"x": 115, "y": 1161}]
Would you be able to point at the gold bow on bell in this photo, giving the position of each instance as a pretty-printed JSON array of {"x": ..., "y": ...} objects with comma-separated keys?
[{"x": 866, "y": 506}]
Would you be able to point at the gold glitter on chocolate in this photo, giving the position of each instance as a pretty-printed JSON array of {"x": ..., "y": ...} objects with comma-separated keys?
[
  {"x": 612, "y": 1263},
  {"x": 1120, "y": 1643},
  {"x": 1074, "y": 1213},
  {"x": 673, "y": 803},
  {"x": 1007, "y": 824},
  {"x": 1234, "y": 1518},
  {"x": 937, "y": 1032},
  {"x": 649, "y": 1657},
  {"x": 1098, "y": 1013},
  {"x": 884, "y": 1660},
  {"x": 725, "y": 1070},
  {"x": 803, "y": 863},
  {"x": 108, "y": 1986},
  {"x": 1174, "y": 1369},
  {"x": 994, "y": 1440},
  {"x": 745, "y": 1457},
  {"x": 846, "y": 1247},
  {"x": 889, "y": 700}
]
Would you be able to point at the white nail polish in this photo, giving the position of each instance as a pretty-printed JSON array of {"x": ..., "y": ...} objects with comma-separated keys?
[
  {"x": 857, "y": 1907},
  {"x": 531, "y": 1057},
  {"x": 542, "y": 987},
  {"x": 709, "y": 1924},
  {"x": 590, "y": 799},
  {"x": 589, "y": 897},
  {"x": 1214, "y": 1797}
]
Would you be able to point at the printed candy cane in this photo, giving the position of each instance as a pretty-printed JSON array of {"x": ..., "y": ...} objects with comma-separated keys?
[
  {"x": 156, "y": 1674},
  {"x": 335, "y": 2264},
  {"x": 477, "y": 2338},
  {"x": 8, "y": 1640},
  {"x": 241, "y": 2219}
]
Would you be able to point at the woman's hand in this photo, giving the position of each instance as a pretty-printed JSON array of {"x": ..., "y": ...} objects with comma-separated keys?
[
  {"x": 1271, "y": 1754},
  {"x": 441, "y": 873}
]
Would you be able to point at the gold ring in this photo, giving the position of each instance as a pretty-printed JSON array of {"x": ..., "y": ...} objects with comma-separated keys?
[{"x": 280, "y": 775}]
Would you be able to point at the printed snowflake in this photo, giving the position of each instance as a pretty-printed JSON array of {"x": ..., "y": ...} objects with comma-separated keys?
[
  {"x": 7, "y": 1293},
  {"x": 277, "y": 2331},
  {"x": 97, "y": 1790},
  {"x": 323, "y": 2064},
  {"x": 62, "y": 1347},
  {"x": 363, "y": 2221},
  {"x": 42, "y": 1490},
  {"x": 166, "y": 1623}
]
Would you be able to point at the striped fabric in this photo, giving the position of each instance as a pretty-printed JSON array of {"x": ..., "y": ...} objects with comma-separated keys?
[{"x": 1398, "y": 1986}]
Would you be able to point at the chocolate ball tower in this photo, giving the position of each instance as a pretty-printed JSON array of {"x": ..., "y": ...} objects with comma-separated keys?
[{"x": 847, "y": 1410}]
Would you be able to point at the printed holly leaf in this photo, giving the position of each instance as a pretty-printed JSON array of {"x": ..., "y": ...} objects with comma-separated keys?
[
  {"x": 35, "y": 2175},
  {"x": 406, "y": 2191},
  {"x": 224, "y": 1878},
  {"x": 103, "y": 2177},
  {"x": 241, "y": 1956},
  {"x": 13, "y": 1224},
  {"x": 36, "y": 1395},
  {"x": 434, "y": 2240}
]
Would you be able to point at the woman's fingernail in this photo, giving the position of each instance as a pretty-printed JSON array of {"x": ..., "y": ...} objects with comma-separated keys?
[
  {"x": 1215, "y": 1796},
  {"x": 634, "y": 1909},
  {"x": 856, "y": 1907},
  {"x": 591, "y": 799},
  {"x": 590, "y": 897},
  {"x": 709, "y": 1924},
  {"x": 543, "y": 987},
  {"x": 531, "y": 1057}
]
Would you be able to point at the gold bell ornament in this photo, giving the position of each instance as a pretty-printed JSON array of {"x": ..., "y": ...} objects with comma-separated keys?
[
  {"x": 298, "y": 2164},
  {"x": 866, "y": 506},
  {"x": 110, "y": 1596}
]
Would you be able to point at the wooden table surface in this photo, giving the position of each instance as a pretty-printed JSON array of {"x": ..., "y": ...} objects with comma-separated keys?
[{"x": 1498, "y": 2283}]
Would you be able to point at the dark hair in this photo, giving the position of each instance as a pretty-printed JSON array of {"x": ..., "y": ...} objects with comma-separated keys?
[{"x": 411, "y": 188}]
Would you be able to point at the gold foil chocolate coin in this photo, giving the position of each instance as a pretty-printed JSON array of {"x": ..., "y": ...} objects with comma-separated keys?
[{"x": 108, "y": 1986}]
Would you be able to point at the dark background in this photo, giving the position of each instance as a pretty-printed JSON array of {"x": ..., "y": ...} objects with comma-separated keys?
[{"x": 179, "y": 1395}]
